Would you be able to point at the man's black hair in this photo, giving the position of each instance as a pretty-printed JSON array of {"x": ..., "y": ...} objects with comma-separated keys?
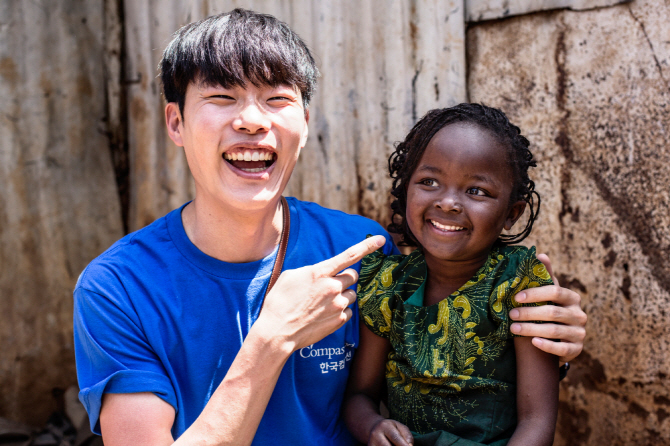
[
  {"x": 404, "y": 160},
  {"x": 234, "y": 48}
]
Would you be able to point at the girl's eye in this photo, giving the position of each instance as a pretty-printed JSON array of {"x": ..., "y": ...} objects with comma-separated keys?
[
  {"x": 476, "y": 191},
  {"x": 429, "y": 182}
]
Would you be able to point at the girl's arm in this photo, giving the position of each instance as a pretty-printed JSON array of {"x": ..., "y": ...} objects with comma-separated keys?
[
  {"x": 536, "y": 395},
  {"x": 364, "y": 391}
]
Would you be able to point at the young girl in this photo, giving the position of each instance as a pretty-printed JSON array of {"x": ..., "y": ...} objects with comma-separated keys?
[{"x": 438, "y": 318}]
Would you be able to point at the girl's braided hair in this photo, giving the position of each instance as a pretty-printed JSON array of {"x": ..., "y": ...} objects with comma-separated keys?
[{"x": 404, "y": 160}]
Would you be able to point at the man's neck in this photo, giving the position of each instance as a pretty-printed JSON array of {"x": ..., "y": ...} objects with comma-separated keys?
[{"x": 231, "y": 235}]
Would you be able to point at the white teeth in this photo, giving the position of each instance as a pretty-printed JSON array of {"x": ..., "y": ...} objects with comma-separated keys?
[
  {"x": 258, "y": 169},
  {"x": 248, "y": 155},
  {"x": 446, "y": 227}
]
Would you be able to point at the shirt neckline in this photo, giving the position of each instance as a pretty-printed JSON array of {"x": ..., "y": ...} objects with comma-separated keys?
[{"x": 211, "y": 265}]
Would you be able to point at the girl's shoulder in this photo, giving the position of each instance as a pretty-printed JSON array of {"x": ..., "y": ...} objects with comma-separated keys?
[
  {"x": 510, "y": 261},
  {"x": 389, "y": 269}
]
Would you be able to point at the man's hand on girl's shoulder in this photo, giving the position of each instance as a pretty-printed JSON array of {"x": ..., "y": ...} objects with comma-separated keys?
[{"x": 564, "y": 331}]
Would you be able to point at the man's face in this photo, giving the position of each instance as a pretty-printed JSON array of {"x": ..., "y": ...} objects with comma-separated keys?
[{"x": 241, "y": 144}]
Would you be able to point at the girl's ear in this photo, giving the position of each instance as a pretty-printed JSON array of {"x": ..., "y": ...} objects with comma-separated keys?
[{"x": 515, "y": 211}]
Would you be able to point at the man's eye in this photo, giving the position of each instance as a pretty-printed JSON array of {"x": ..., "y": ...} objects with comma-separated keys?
[
  {"x": 280, "y": 98},
  {"x": 476, "y": 191},
  {"x": 222, "y": 96}
]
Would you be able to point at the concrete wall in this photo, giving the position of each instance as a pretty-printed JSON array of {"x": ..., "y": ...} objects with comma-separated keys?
[{"x": 591, "y": 90}]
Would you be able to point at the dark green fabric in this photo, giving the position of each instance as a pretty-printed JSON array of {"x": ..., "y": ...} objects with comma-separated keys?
[
  {"x": 443, "y": 438},
  {"x": 452, "y": 366}
]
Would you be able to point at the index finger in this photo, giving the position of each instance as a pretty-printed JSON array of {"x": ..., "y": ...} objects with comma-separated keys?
[
  {"x": 332, "y": 266},
  {"x": 549, "y": 293}
]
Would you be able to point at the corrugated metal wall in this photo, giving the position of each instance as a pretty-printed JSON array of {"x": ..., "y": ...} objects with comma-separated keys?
[{"x": 59, "y": 205}]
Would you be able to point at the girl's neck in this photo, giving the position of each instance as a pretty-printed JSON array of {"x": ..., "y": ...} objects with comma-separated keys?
[{"x": 445, "y": 276}]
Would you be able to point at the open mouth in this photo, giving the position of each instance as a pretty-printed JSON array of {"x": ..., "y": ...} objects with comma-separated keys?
[
  {"x": 251, "y": 161},
  {"x": 446, "y": 228}
]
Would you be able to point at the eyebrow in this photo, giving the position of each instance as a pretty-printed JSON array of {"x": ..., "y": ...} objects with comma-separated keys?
[
  {"x": 435, "y": 169},
  {"x": 429, "y": 168},
  {"x": 482, "y": 178}
]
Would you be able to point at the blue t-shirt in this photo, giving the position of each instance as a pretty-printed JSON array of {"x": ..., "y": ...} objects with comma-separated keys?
[{"x": 155, "y": 314}]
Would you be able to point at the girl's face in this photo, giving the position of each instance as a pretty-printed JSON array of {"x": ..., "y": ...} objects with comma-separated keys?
[{"x": 458, "y": 198}]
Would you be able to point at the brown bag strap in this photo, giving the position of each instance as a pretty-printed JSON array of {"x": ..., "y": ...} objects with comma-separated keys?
[{"x": 283, "y": 243}]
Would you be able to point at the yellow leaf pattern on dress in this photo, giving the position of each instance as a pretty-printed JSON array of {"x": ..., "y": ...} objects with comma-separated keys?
[
  {"x": 464, "y": 303},
  {"x": 387, "y": 276},
  {"x": 386, "y": 312},
  {"x": 442, "y": 322},
  {"x": 541, "y": 271}
]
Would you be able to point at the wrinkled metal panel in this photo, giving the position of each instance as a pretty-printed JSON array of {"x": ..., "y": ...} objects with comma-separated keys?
[
  {"x": 383, "y": 64},
  {"x": 478, "y": 10},
  {"x": 59, "y": 206},
  {"x": 596, "y": 112}
]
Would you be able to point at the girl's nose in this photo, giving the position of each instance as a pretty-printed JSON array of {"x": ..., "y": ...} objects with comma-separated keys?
[{"x": 449, "y": 203}]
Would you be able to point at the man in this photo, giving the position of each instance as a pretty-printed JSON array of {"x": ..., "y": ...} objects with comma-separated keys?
[{"x": 170, "y": 339}]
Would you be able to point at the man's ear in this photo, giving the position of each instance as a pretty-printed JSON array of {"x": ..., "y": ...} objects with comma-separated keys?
[
  {"x": 515, "y": 211},
  {"x": 173, "y": 121}
]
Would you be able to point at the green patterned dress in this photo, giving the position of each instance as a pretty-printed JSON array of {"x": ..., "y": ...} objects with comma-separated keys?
[{"x": 452, "y": 365}]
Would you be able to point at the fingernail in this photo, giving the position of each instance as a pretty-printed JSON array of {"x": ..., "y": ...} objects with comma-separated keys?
[
  {"x": 515, "y": 328},
  {"x": 520, "y": 297},
  {"x": 514, "y": 313}
]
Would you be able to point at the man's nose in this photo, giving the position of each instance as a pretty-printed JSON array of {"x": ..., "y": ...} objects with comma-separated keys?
[{"x": 252, "y": 119}]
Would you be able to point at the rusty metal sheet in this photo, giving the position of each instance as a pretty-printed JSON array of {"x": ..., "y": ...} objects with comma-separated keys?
[
  {"x": 59, "y": 206},
  {"x": 478, "y": 10},
  {"x": 596, "y": 113}
]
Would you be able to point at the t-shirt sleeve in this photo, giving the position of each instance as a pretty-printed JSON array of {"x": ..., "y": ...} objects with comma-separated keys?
[
  {"x": 112, "y": 352},
  {"x": 528, "y": 272},
  {"x": 374, "y": 291}
]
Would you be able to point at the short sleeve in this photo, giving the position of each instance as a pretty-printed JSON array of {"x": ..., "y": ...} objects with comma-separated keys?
[
  {"x": 112, "y": 352},
  {"x": 522, "y": 270},
  {"x": 374, "y": 291}
]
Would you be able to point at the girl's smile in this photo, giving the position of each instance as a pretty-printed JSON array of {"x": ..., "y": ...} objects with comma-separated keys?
[{"x": 458, "y": 198}]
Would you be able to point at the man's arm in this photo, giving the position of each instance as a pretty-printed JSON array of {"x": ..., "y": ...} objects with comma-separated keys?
[
  {"x": 136, "y": 418},
  {"x": 305, "y": 305},
  {"x": 564, "y": 333}
]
